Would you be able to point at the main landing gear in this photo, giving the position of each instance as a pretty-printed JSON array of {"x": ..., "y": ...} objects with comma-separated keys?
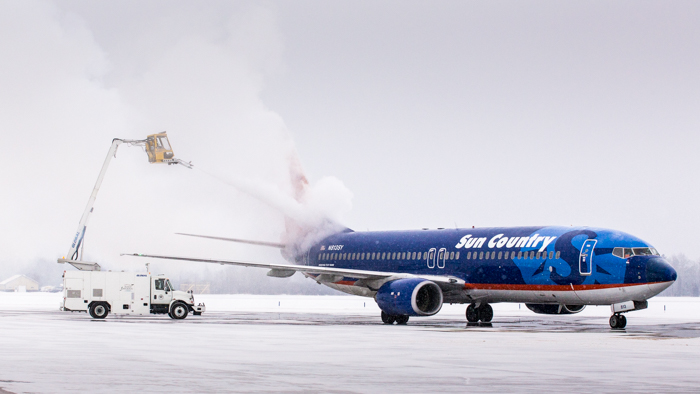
[
  {"x": 483, "y": 313},
  {"x": 390, "y": 319},
  {"x": 618, "y": 321}
]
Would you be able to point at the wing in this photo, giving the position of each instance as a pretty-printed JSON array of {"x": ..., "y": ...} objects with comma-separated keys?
[{"x": 370, "y": 279}]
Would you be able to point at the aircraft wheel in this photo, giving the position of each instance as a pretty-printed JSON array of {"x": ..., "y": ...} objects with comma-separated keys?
[
  {"x": 618, "y": 321},
  {"x": 402, "y": 319},
  {"x": 387, "y": 318},
  {"x": 472, "y": 314},
  {"x": 99, "y": 310},
  {"x": 485, "y": 313},
  {"x": 622, "y": 322}
]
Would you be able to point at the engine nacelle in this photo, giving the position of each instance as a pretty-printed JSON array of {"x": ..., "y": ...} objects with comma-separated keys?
[
  {"x": 555, "y": 309},
  {"x": 411, "y": 296}
]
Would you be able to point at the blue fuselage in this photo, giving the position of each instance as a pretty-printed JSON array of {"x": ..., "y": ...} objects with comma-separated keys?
[{"x": 581, "y": 265}]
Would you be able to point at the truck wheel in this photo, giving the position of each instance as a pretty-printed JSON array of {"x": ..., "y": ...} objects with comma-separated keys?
[
  {"x": 99, "y": 310},
  {"x": 178, "y": 311}
]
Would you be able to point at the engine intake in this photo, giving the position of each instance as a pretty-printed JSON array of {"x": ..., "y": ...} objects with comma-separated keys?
[
  {"x": 411, "y": 296},
  {"x": 555, "y": 309}
]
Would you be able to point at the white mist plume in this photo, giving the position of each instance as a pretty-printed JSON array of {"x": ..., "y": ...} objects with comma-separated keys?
[
  {"x": 79, "y": 74},
  {"x": 315, "y": 213}
]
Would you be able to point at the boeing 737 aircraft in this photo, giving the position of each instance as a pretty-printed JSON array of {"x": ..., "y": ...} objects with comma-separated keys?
[{"x": 553, "y": 270}]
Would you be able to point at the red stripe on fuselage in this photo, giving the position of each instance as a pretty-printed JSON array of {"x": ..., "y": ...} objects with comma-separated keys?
[{"x": 494, "y": 286}]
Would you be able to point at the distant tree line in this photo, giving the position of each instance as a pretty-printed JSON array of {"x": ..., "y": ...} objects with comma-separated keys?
[{"x": 688, "y": 282}]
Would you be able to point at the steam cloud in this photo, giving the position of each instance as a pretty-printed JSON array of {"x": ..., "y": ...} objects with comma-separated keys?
[{"x": 76, "y": 77}]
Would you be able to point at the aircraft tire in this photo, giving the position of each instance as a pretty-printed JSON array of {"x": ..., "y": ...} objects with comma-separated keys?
[
  {"x": 623, "y": 322},
  {"x": 402, "y": 319},
  {"x": 472, "y": 314},
  {"x": 618, "y": 321},
  {"x": 99, "y": 310},
  {"x": 485, "y": 313},
  {"x": 178, "y": 311},
  {"x": 387, "y": 318}
]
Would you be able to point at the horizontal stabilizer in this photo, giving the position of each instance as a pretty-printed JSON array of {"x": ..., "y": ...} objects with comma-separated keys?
[{"x": 243, "y": 241}]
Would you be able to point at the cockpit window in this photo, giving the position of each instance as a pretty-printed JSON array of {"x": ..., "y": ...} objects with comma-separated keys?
[
  {"x": 642, "y": 251},
  {"x": 625, "y": 253}
]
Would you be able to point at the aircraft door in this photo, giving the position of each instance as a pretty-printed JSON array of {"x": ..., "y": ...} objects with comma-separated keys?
[
  {"x": 431, "y": 258},
  {"x": 585, "y": 261},
  {"x": 161, "y": 291},
  {"x": 442, "y": 254}
]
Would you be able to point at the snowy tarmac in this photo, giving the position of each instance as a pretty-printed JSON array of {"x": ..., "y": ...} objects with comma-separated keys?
[{"x": 337, "y": 344}]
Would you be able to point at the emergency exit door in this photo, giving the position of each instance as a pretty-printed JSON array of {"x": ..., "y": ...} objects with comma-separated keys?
[{"x": 585, "y": 261}]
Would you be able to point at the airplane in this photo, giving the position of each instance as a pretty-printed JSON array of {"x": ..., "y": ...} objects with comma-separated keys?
[{"x": 552, "y": 270}]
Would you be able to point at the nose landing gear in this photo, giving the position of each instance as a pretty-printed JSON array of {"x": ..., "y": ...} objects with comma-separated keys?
[
  {"x": 618, "y": 321},
  {"x": 483, "y": 313}
]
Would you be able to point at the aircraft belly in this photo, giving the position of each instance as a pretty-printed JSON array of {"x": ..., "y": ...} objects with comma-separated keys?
[
  {"x": 528, "y": 296},
  {"x": 598, "y": 296}
]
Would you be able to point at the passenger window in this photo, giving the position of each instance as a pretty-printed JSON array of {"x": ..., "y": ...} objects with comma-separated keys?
[
  {"x": 452, "y": 255},
  {"x": 538, "y": 255},
  {"x": 500, "y": 254},
  {"x": 551, "y": 255},
  {"x": 457, "y": 256},
  {"x": 481, "y": 255},
  {"x": 487, "y": 255},
  {"x": 520, "y": 255},
  {"x": 558, "y": 255},
  {"x": 413, "y": 256},
  {"x": 383, "y": 255},
  {"x": 532, "y": 254}
]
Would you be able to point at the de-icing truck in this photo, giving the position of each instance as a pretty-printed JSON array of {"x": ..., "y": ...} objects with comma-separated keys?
[
  {"x": 122, "y": 293},
  {"x": 125, "y": 293}
]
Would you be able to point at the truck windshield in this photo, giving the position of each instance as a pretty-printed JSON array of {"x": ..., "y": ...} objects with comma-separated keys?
[{"x": 168, "y": 286}]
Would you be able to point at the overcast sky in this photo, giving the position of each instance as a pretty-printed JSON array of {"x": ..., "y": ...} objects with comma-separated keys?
[{"x": 432, "y": 114}]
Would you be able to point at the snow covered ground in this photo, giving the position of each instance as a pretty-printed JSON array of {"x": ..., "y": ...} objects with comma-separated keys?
[{"x": 337, "y": 344}]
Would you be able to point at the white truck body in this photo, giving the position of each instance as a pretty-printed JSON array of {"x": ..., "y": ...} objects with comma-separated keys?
[{"x": 125, "y": 293}]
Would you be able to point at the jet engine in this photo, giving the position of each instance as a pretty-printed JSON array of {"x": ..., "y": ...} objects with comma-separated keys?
[
  {"x": 410, "y": 297},
  {"x": 555, "y": 309}
]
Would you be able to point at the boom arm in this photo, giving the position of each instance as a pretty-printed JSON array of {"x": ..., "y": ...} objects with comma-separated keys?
[{"x": 73, "y": 252}]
